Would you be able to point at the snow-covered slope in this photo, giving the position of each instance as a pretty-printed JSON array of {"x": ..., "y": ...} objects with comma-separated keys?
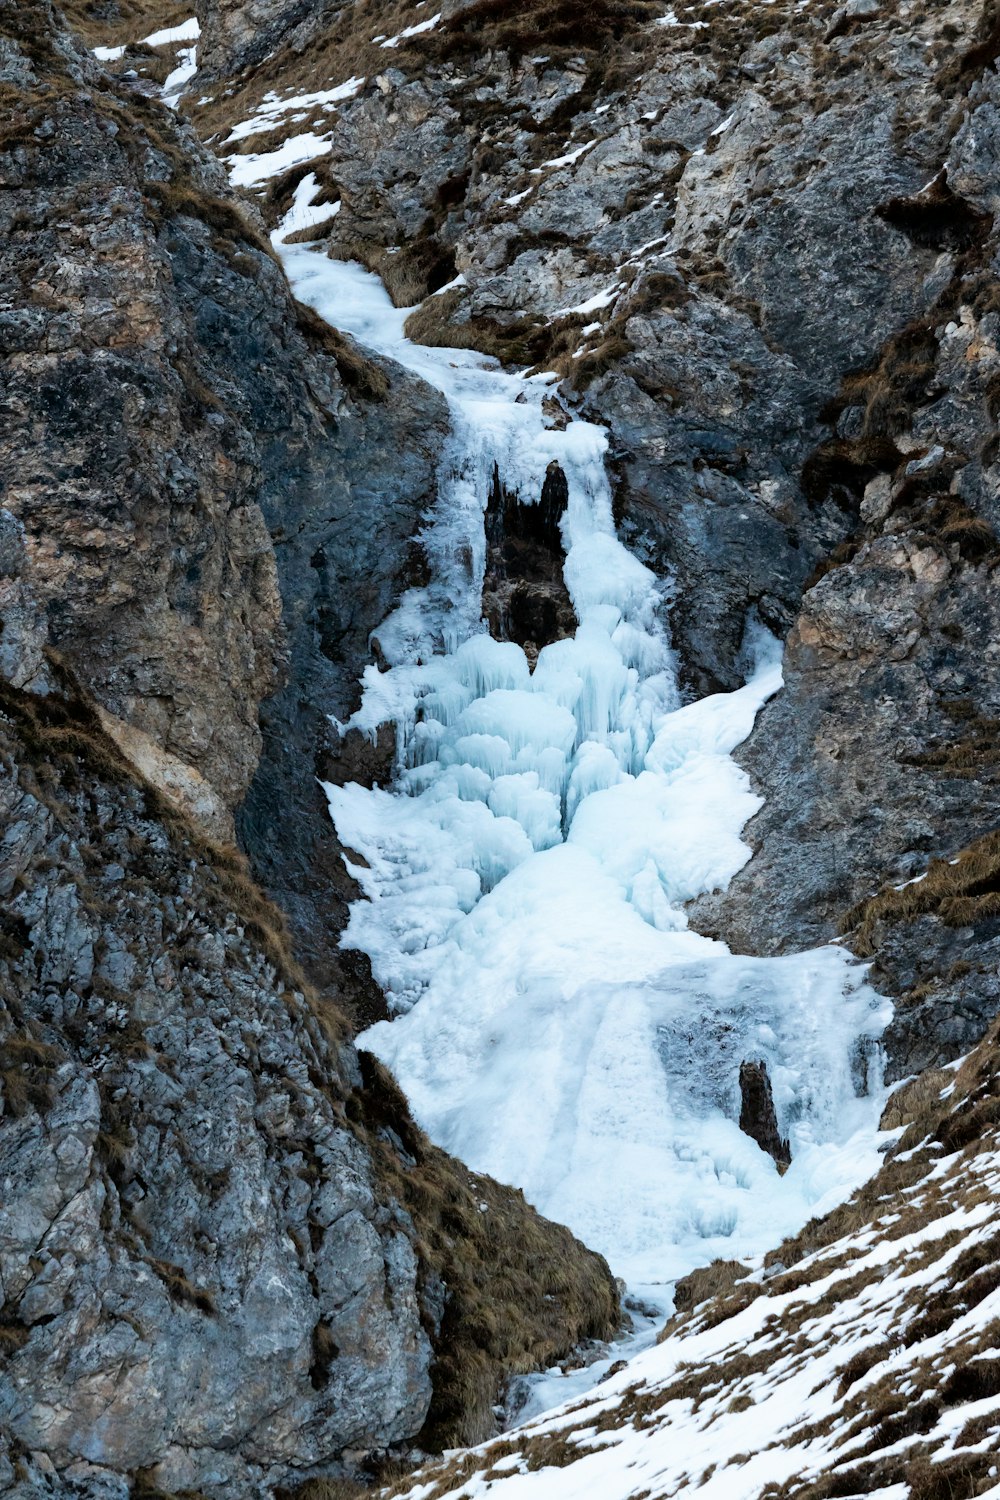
[{"x": 864, "y": 1359}]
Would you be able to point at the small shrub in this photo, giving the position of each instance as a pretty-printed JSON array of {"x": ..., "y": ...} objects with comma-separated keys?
[
  {"x": 937, "y": 219},
  {"x": 180, "y": 1288},
  {"x": 27, "y": 1065}
]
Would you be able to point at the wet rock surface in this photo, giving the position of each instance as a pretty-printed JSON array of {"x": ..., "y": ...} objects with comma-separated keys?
[
  {"x": 343, "y": 504},
  {"x": 524, "y": 596}
]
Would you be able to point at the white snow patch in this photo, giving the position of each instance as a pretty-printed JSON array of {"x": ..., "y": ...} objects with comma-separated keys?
[
  {"x": 450, "y": 286},
  {"x": 187, "y": 31},
  {"x": 257, "y": 167},
  {"x": 790, "y": 1420},
  {"x": 567, "y": 160},
  {"x": 303, "y": 213},
  {"x": 670, "y": 19},
  {"x": 594, "y": 303},
  {"x": 177, "y": 81},
  {"x": 187, "y": 64},
  {"x": 273, "y": 107},
  {"x": 421, "y": 26}
]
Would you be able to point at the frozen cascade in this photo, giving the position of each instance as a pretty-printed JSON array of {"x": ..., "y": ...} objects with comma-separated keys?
[{"x": 558, "y": 1025}]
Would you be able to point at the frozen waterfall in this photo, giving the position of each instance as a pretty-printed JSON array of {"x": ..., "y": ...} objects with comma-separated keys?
[{"x": 557, "y": 1024}]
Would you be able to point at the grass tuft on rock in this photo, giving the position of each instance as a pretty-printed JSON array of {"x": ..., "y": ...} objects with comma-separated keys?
[
  {"x": 961, "y": 892},
  {"x": 362, "y": 375}
]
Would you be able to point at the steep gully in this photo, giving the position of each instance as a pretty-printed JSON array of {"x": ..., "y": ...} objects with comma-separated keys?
[{"x": 555, "y": 1022}]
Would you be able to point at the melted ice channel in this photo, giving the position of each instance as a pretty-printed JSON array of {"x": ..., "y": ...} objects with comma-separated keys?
[{"x": 557, "y": 1024}]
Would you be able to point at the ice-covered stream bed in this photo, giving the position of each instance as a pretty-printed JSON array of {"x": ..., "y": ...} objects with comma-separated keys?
[{"x": 557, "y": 1024}]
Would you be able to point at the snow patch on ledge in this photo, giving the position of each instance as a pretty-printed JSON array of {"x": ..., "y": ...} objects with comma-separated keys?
[
  {"x": 273, "y": 107},
  {"x": 304, "y": 213}
]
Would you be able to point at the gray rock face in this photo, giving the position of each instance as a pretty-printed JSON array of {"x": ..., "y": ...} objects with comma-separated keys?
[
  {"x": 221, "y": 1265},
  {"x": 224, "y": 1264},
  {"x": 758, "y": 246},
  {"x": 213, "y": 515},
  {"x": 200, "y": 1274},
  {"x": 705, "y": 199},
  {"x": 343, "y": 508},
  {"x": 708, "y": 457},
  {"x": 136, "y": 493},
  {"x": 23, "y": 637},
  {"x": 879, "y": 755},
  {"x": 238, "y": 33}
]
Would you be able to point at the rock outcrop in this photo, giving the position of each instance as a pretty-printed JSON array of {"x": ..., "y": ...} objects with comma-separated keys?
[
  {"x": 202, "y": 1275},
  {"x": 525, "y": 598},
  {"x": 879, "y": 758},
  {"x": 133, "y": 480},
  {"x": 758, "y": 1118},
  {"x": 224, "y": 1262},
  {"x": 219, "y": 496}
]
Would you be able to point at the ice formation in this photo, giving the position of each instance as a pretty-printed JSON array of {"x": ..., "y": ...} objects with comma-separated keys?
[{"x": 557, "y": 1024}]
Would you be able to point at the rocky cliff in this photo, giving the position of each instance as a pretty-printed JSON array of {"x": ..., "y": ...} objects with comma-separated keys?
[
  {"x": 688, "y": 216},
  {"x": 181, "y": 441},
  {"x": 758, "y": 244},
  {"x": 228, "y": 1256}
]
